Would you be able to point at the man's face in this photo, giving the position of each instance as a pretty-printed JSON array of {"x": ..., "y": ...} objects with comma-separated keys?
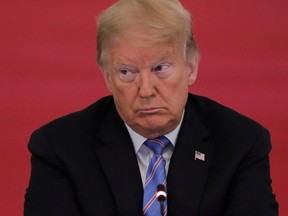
[{"x": 149, "y": 84}]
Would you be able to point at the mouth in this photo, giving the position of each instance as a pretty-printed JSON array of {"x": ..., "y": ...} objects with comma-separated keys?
[{"x": 152, "y": 110}]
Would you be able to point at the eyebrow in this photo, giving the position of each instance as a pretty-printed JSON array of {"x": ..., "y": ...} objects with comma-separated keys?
[
  {"x": 123, "y": 64},
  {"x": 126, "y": 63}
]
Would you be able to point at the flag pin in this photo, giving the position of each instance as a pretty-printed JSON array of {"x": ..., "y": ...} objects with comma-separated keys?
[{"x": 199, "y": 156}]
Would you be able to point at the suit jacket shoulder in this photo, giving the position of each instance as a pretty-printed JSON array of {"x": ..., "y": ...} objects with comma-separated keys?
[
  {"x": 214, "y": 113},
  {"x": 76, "y": 125}
]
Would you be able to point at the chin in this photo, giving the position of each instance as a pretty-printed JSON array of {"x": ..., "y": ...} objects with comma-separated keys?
[{"x": 156, "y": 128}]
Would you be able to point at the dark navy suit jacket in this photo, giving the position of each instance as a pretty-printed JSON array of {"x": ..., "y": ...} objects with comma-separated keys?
[{"x": 85, "y": 164}]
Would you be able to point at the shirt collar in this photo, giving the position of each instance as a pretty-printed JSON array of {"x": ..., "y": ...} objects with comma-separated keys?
[{"x": 138, "y": 140}]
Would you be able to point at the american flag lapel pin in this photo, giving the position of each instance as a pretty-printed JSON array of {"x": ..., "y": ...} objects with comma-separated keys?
[{"x": 199, "y": 156}]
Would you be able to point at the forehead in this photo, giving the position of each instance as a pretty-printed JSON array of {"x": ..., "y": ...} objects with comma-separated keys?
[{"x": 127, "y": 50}]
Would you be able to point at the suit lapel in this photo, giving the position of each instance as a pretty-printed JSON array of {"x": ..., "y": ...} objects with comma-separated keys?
[
  {"x": 119, "y": 162},
  {"x": 187, "y": 176}
]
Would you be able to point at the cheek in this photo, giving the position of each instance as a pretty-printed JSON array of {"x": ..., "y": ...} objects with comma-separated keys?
[
  {"x": 181, "y": 82},
  {"x": 125, "y": 103},
  {"x": 124, "y": 94},
  {"x": 114, "y": 85},
  {"x": 176, "y": 91},
  {"x": 175, "y": 96}
]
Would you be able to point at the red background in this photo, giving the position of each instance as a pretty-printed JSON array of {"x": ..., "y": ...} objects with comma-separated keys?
[{"x": 47, "y": 56}]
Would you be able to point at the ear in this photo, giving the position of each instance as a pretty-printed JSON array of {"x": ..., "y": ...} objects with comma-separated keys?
[
  {"x": 107, "y": 77},
  {"x": 192, "y": 69}
]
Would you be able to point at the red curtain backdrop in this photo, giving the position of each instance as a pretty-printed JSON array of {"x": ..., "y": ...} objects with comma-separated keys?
[{"x": 47, "y": 69}]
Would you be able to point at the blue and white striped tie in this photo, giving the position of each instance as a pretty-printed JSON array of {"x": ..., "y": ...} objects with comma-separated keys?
[{"x": 155, "y": 175}]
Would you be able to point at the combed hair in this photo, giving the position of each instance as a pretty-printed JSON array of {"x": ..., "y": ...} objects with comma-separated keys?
[{"x": 157, "y": 21}]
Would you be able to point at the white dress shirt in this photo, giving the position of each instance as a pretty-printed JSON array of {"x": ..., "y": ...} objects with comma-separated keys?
[{"x": 144, "y": 154}]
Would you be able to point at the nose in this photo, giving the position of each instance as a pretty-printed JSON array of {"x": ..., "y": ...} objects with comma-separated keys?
[{"x": 146, "y": 84}]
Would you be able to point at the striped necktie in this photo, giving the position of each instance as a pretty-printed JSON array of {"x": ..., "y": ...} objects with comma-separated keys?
[{"x": 155, "y": 175}]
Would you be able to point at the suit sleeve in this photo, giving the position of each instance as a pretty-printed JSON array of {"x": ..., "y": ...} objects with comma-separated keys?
[
  {"x": 251, "y": 191},
  {"x": 50, "y": 190}
]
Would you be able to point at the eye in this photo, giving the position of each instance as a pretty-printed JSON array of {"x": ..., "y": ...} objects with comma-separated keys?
[
  {"x": 127, "y": 75},
  {"x": 123, "y": 72},
  {"x": 161, "y": 67},
  {"x": 162, "y": 70}
]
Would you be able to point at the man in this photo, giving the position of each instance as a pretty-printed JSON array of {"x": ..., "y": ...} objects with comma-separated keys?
[{"x": 100, "y": 161}]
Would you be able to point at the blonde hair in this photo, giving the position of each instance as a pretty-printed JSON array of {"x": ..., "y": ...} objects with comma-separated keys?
[{"x": 158, "y": 20}]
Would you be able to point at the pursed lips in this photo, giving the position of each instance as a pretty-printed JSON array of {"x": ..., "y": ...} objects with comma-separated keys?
[{"x": 150, "y": 110}]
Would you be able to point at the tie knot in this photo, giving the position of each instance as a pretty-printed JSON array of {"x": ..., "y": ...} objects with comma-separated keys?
[{"x": 158, "y": 144}]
